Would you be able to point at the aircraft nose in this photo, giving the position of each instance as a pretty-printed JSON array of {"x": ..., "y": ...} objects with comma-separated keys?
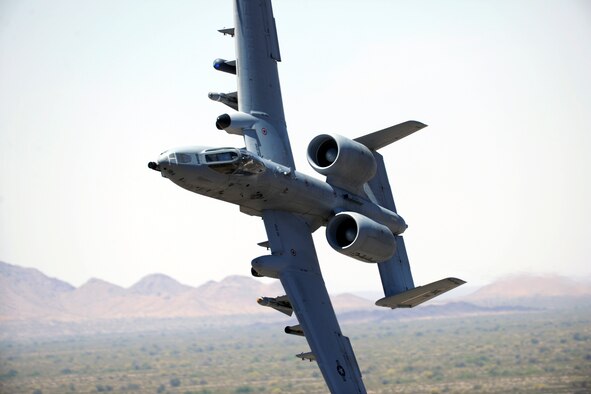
[
  {"x": 163, "y": 160},
  {"x": 154, "y": 166},
  {"x": 162, "y": 164}
]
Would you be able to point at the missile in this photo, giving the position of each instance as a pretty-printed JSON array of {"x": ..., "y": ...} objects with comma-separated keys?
[
  {"x": 227, "y": 66},
  {"x": 294, "y": 330},
  {"x": 215, "y": 96},
  {"x": 307, "y": 356},
  {"x": 230, "y": 99},
  {"x": 280, "y": 304}
]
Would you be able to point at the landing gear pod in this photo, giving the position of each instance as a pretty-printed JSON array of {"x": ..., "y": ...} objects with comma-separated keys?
[
  {"x": 357, "y": 236},
  {"x": 268, "y": 266}
]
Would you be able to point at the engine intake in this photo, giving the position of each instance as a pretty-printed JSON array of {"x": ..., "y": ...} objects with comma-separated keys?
[
  {"x": 357, "y": 236},
  {"x": 345, "y": 162}
]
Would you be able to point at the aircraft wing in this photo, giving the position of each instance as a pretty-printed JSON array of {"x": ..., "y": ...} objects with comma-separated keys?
[
  {"x": 259, "y": 92},
  {"x": 295, "y": 263}
]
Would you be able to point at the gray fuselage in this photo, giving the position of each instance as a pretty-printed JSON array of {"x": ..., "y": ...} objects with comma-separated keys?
[{"x": 256, "y": 184}]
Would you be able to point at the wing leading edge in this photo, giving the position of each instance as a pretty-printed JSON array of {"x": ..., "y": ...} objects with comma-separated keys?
[
  {"x": 294, "y": 262},
  {"x": 259, "y": 91}
]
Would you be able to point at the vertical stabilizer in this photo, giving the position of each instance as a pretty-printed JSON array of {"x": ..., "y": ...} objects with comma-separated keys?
[
  {"x": 397, "y": 281},
  {"x": 395, "y": 272}
]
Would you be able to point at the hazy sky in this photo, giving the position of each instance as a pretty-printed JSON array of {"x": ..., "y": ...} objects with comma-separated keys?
[{"x": 499, "y": 182}]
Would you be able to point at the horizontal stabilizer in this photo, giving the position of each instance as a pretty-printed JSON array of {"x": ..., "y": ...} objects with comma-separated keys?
[
  {"x": 379, "y": 139},
  {"x": 420, "y": 294},
  {"x": 307, "y": 356}
]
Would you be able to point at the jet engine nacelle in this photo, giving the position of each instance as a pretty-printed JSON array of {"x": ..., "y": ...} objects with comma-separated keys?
[
  {"x": 357, "y": 236},
  {"x": 344, "y": 161}
]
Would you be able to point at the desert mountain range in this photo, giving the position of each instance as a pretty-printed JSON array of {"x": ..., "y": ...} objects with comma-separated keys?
[{"x": 26, "y": 294}]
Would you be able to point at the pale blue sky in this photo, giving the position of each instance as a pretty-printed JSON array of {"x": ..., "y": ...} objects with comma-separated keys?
[{"x": 90, "y": 91}]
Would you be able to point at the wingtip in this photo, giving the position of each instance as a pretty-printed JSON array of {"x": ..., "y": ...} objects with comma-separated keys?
[
  {"x": 457, "y": 281},
  {"x": 417, "y": 124}
]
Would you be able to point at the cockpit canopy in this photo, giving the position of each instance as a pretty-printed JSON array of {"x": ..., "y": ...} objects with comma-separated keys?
[
  {"x": 231, "y": 161},
  {"x": 228, "y": 161},
  {"x": 219, "y": 156}
]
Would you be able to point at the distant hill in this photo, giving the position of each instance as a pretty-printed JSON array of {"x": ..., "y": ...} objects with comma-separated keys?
[
  {"x": 428, "y": 311},
  {"x": 542, "y": 291},
  {"x": 28, "y": 295},
  {"x": 158, "y": 285}
]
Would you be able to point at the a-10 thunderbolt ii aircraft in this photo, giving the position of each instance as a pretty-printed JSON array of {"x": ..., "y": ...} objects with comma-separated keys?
[{"x": 354, "y": 203}]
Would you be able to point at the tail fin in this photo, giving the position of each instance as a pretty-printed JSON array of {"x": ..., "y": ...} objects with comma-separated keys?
[
  {"x": 397, "y": 281},
  {"x": 395, "y": 273},
  {"x": 379, "y": 139},
  {"x": 419, "y": 294}
]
